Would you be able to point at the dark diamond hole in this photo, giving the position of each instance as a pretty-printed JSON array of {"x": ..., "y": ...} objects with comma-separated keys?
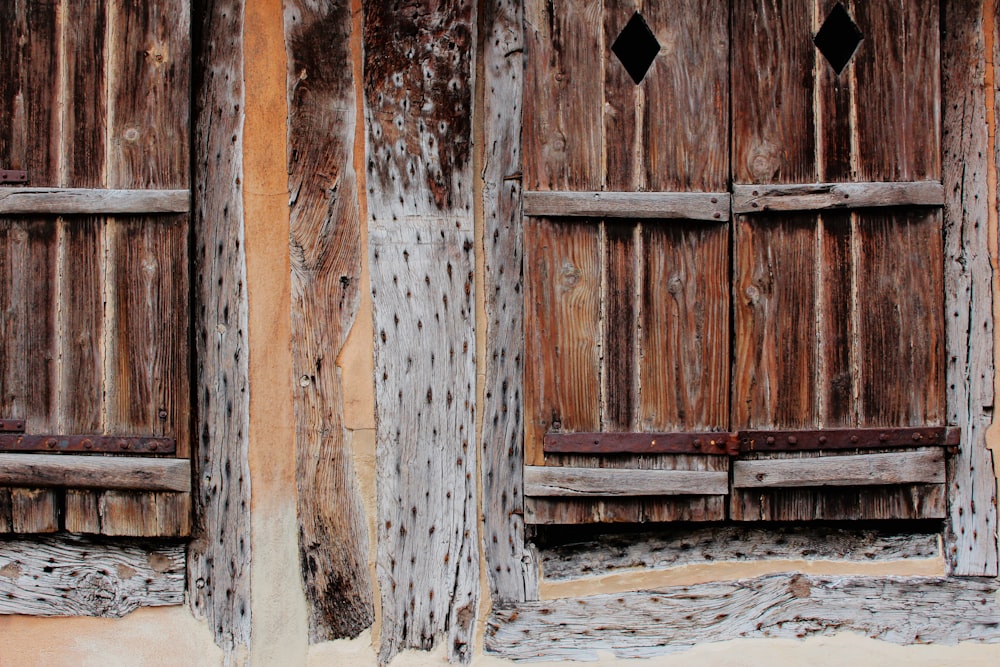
[
  {"x": 636, "y": 47},
  {"x": 838, "y": 38}
]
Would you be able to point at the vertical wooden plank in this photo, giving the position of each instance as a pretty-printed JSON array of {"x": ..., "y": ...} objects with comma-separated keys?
[
  {"x": 326, "y": 267},
  {"x": 836, "y": 354},
  {"x": 84, "y": 125},
  {"x": 619, "y": 373},
  {"x": 971, "y": 529},
  {"x": 834, "y": 94},
  {"x": 418, "y": 82},
  {"x": 510, "y": 569},
  {"x": 562, "y": 330},
  {"x": 219, "y": 558},
  {"x": 563, "y": 99},
  {"x": 772, "y": 88},
  {"x": 623, "y": 108},
  {"x": 685, "y": 131}
]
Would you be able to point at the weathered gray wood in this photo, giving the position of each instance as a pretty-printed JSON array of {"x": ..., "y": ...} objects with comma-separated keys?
[
  {"x": 92, "y": 201},
  {"x": 917, "y": 610},
  {"x": 326, "y": 275},
  {"x": 971, "y": 535},
  {"x": 923, "y": 466},
  {"x": 572, "y": 481},
  {"x": 510, "y": 570},
  {"x": 570, "y": 555},
  {"x": 73, "y": 576},
  {"x": 820, "y": 196},
  {"x": 95, "y": 472},
  {"x": 219, "y": 559},
  {"x": 712, "y": 206}
]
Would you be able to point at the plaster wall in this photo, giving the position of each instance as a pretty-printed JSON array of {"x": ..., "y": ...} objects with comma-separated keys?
[{"x": 171, "y": 636}]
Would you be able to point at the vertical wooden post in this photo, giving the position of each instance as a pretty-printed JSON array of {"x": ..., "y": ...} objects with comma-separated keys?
[{"x": 418, "y": 112}]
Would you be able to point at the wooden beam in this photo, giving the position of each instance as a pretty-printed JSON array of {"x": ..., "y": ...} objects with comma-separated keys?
[
  {"x": 901, "y": 610},
  {"x": 92, "y": 201},
  {"x": 95, "y": 472},
  {"x": 825, "y": 196},
  {"x": 511, "y": 570},
  {"x": 75, "y": 576},
  {"x": 219, "y": 559},
  {"x": 569, "y": 481},
  {"x": 924, "y": 466},
  {"x": 971, "y": 535},
  {"x": 710, "y": 206},
  {"x": 325, "y": 239}
]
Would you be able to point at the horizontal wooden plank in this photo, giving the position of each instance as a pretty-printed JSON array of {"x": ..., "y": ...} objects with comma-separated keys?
[
  {"x": 95, "y": 472},
  {"x": 566, "y": 554},
  {"x": 819, "y": 196},
  {"x": 91, "y": 201},
  {"x": 569, "y": 481},
  {"x": 902, "y": 610},
  {"x": 75, "y": 576},
  {"x": 640, "y": 443},
  {"x": 922, "y": 466},
  {"x": 86, "y": 443},
  {"x": 713, "y": 206},
  {"x": 845, "y": 438}
]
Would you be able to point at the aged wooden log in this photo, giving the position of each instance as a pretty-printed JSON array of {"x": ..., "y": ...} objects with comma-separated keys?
[
  {"x": 92, "y": 201},
  {"x": 923, "y": 466},
  {"x": 971, "y": 535},
  {"x": 219, "y": 560},
  {"x": 711, "y": 206},
  {"x": 569, "y": 555},
  {"x": 645, "y": 624},
  {"x": 575, "y": 481},
  {"x": 326, "y": 271},
  {"x": 90, "y": 472},
  {"x": 510, "y": 569},
  {"x": 822, "y": 196},
  {"x": 418, "y": 82},
  {"x": 72, "y": 576}
]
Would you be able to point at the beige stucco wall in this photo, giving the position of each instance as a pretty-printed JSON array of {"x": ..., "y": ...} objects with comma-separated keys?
[{"x": 171, "y": 636}]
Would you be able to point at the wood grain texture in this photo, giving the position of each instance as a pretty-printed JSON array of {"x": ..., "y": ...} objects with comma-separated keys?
[
  {"x": 710, "y": 206},
  {"x": 219, "y": 557},
  {"x": 817, "y": 196},
  {"x": 92, "y": 201},
  {"x": 510, "y": 570},
  {"x": 650, "y": 623},
  {"x": 81, "y": 471},
  {"x": 72, "y": 576},
  {"x": 608, "y": 482},
  {"x": 326, "y": 274},
  {"x": 921, "y": 466},
  {"x": 570, "y": 556},
  {"x": 971, "y": 543}
]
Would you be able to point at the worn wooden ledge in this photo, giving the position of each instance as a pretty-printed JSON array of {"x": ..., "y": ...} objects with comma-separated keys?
[
  {"x": 88, "y": 201},
  {"x": 570, "y": 481},
  {"x": 712, "y": 206},
  {"x": 901, "y": 610},
  {"x": 925, "y": 466},
  {"x": 74, "y": 576},
  {"x": 567, "y": 554},
  {"x": 95, "y": 472},
  {"x": 820, "y": 196}
]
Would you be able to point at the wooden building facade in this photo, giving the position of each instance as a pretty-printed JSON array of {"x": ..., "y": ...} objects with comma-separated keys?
[{"x": 636, "y": 286}]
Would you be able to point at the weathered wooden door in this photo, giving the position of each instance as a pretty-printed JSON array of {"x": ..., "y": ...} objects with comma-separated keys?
[
  {"x": 94, "y": 267},
  {"x": 667, "y": 340}
]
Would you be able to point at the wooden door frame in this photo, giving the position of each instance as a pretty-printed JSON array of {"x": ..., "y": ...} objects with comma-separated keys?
[{"x": 513, "y": 575}]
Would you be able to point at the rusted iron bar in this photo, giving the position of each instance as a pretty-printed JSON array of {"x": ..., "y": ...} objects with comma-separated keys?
[{"x": 97, "y": 444}]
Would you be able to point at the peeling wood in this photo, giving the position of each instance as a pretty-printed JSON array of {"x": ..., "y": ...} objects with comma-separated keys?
[
  {"x": 326, "y": 273},
  {"x": 73, "y": 576},
  {"x": 915, "y": 610},
  {"x": 219, "y": 559}
]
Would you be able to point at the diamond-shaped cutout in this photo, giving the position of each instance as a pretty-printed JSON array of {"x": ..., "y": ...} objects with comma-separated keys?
[
  {"x": 838, "y": 38},
  {"x": 636, "y": 47}
]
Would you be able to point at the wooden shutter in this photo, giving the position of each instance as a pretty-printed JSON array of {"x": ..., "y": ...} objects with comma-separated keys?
[
  {"x": 827, "y": 389},
  {"x": 838, "y": 291},
  {"x": 94, "y": 267},
  {"x": 627, "y": 296}
]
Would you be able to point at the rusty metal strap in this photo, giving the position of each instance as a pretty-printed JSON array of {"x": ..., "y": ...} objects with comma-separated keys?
[
  {"x": 721, "y": 443},
  {"x": 11, "y": 426},
  {"x": 97, "y": 444}
]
